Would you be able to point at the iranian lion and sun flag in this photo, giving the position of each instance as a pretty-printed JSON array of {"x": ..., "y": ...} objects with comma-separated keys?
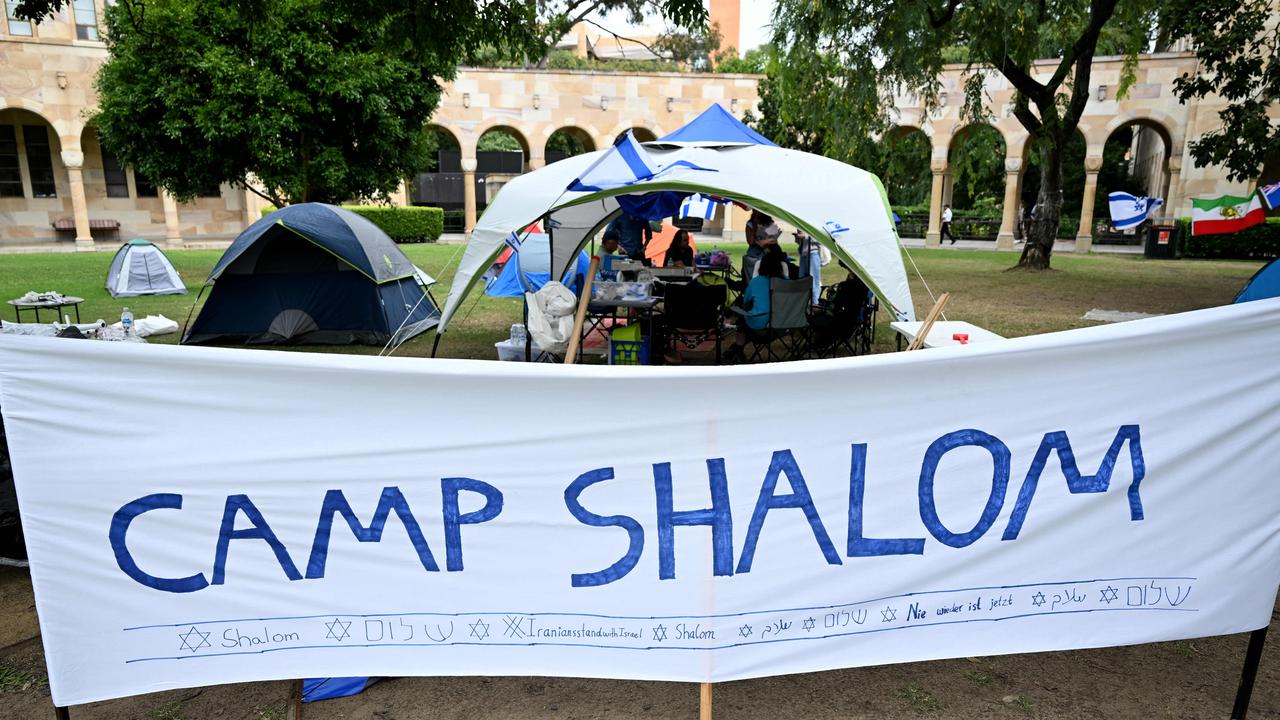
[{"x": 1230, "y": 213}]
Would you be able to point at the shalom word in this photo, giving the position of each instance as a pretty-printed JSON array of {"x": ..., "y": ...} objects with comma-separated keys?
[{"x": 718, "y": 517}]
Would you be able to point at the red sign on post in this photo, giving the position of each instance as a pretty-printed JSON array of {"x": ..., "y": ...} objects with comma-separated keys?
[{"x": 1163, "y": 237}]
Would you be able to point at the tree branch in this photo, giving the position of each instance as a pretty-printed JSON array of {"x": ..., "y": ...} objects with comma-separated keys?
[
  {"x": 937, "y": 22},
  {"x": 273, "y": 198},
  {"x": 618, "y": 37},
  {"x": 1023, "y": 82},
  {"x": 1100, "y": 11},
  {"x": 1022, "y": 111}
]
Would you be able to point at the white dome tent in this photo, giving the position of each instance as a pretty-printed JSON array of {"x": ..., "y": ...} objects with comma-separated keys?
[
  {"x": 843, "y": 207},
  {"x": 141, "y": 268}
]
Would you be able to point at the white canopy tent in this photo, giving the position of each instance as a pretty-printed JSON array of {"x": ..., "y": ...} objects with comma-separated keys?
[{"x": 844, "y": 207}]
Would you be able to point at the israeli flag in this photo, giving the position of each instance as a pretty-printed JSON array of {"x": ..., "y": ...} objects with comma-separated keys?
[
  {"x": 1270, "y": 195},
  {"x": 1129, "y": 211},
  {"x": 623, "y": 164},
  {"x": 513, "y": 241},
  {"x": 699, "y": 206}
]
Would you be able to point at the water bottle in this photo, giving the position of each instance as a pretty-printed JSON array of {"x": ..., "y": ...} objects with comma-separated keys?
[{"x": 126, "y": 322}]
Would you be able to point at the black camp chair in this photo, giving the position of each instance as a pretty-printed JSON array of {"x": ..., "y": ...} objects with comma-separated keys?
[
  {"x": 786, "y": 336},
  {"x": 692, "y": 314},
  {"x": 845, "y": 321}
]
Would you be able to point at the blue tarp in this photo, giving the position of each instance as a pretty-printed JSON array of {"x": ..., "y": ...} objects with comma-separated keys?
[
  {"x": 652, "y": 206},
  {"x": 716, "y": 125},
  {"x": 314, "y": 689},
  {"x": 1264, "y": 284}
]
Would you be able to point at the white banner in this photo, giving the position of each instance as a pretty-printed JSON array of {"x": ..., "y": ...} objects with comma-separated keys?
[{"x": 199, "y": 515}]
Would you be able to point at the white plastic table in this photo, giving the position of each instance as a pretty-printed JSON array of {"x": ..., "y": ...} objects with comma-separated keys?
[{"x": 943, "y": 333}]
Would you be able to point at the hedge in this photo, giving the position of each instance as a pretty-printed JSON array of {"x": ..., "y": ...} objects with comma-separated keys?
[
  {"x": 1260, "y": 242},
  {"x": 403, "y": 224}
]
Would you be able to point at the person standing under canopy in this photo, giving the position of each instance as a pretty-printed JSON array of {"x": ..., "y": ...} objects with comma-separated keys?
[{"x": 633, "y": 234}]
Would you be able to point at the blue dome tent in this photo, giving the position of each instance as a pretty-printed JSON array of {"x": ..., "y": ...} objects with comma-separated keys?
[
  {"x": 1264, "y": 284},
  {"x": 530, "y": 269},
  {"x": 316, "y": 274}
]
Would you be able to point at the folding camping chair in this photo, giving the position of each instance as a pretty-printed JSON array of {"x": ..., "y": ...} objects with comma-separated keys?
[
  {"x": 692, "y": 313},
  {"x": 788, "y": 321},
  {"x": 845, "y": 320}
]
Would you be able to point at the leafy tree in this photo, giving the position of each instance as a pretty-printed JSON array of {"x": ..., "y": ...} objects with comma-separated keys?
[
  {"x": 753, "y": 62},
  {"x": 905, "y": 171},
  {"x": 498, "y": 141},
  {"x": 1238, "y": 45},
  {"x": 977, "y": 166},
  {"x": 693, "y": 48},
  {"x": 804, "y": 104},
  {"x": 880, "y": 49}
]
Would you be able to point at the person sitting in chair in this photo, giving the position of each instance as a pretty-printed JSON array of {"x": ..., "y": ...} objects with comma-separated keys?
[
  {"x": 680, "y": 253},
  {"x": 754, "y": 307}
]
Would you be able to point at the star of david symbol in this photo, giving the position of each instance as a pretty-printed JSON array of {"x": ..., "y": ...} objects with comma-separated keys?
[
  {"x": 888, "y": 614},
  {"x": 193, "y": 640},
  {"x": 480, "y": 629},
  {"x": 660, "y": 633},
  {"x": 745, "y": 631},
  {"x": 808, "y": 624},
  {"x": 1109, "y": 594},
  {"x": 1037, "y": 599},
  {"x": 338, "y": 630}
]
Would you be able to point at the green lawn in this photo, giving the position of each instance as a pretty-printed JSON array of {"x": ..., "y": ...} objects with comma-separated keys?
[{"x": 982, "y": 291}]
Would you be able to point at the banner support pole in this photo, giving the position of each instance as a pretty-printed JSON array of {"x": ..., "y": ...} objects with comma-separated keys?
[
  {"x": 1252, "y": 658},
  {"x": 575, "y": 340},
  {"x": 61, "y": 713},
  {"x": 704, "y": 704}
]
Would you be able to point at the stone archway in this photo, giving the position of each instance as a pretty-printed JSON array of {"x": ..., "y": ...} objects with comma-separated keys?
[
  {"x": 905, "y": 174},
  {"x": 567, "y": 142},
  {"x": 974, "y": 181}
]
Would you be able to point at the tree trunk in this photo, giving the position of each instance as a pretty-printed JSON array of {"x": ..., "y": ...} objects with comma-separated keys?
[{"x": 1044, "y": 230}]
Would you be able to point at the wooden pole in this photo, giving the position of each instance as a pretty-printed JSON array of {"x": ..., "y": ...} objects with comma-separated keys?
[
  {"x": 294, "y": 709},
  {"x": 61, "y": 713},
  {"x": 704, "y": 709},
  {"x": 576, "y": 339},
  {"x": 918, "y": 341}
]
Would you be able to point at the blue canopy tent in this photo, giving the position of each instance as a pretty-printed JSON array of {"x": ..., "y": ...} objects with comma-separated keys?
[
  {"x": 1264, "y": 284},
  {"x": 317, "y": 274},
  {"x": 530, "y": 269}
]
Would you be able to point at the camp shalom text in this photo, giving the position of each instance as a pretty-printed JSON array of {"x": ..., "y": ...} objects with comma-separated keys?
[{"x": 718, "y": 517}]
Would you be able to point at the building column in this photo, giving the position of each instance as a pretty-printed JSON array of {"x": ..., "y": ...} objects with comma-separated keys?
[
  {"x": 932, "y": 238},
  {"x": 730, "y": 233},
  {"x": 172, "y": 222},
  {"x": 468, "y": 195},
  {"x": 1012, "y": 172},
  {"x": 537, "y": 162},
  {"x": 1084, "y": 236},
  {"x": 1175, "y": 185},
  {"x": 74, "y": 162},
  {"x": 400, "y": 196}
]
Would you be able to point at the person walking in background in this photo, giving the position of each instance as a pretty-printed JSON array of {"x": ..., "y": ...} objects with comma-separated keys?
[{"x": 946, "y": 226}]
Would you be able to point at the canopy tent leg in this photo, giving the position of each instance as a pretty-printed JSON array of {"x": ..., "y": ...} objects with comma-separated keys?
[{"x": 1252, "y": 658}]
